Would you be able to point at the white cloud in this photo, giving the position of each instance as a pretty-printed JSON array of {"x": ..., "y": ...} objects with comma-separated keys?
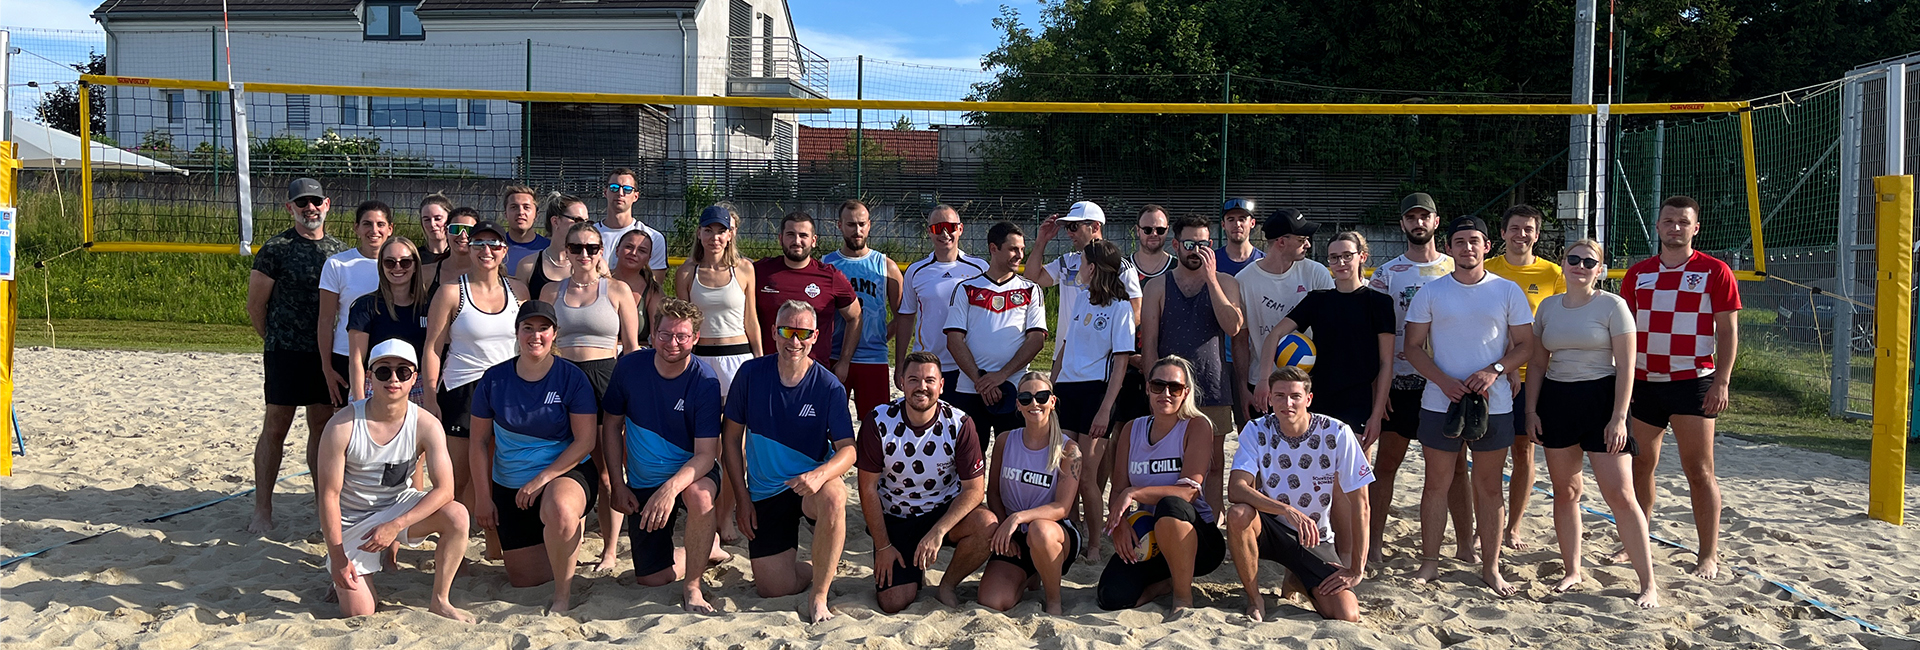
[
  {"x": 879, "y": 43},
  {"x": 49, "y": 14}
]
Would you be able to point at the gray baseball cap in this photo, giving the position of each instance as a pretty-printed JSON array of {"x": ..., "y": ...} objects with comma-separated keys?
[{"x": 301, "y": 188}]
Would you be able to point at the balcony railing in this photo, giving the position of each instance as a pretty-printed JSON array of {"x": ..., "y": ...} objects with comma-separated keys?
[{"x": 759, "y": 66}]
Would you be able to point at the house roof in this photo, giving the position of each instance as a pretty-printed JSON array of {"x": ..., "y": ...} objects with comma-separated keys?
[
  {"x": 183, "y": 8},
  {"x": 115, "y": 8},
  {"x": 552, "y": 5},
  {"x": 826, "y": 143}
]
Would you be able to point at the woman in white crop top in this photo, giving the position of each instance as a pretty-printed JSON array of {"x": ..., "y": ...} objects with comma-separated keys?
[{"x": 720, "y": 282}]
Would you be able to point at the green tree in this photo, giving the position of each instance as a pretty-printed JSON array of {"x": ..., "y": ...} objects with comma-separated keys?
[{"x": 60, "y": 108}]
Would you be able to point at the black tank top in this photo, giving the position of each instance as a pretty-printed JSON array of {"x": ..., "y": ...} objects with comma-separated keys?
[{"x": 539, "y": 279}]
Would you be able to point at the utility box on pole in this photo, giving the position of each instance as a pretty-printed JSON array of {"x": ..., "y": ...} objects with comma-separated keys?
[{"x": 1571, "y": 211}]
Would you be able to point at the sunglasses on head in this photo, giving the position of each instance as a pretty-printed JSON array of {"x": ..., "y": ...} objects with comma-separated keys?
[
  {"x": 944, "y": 228},
  {"x": 1153, "y": 230},
  {"x": 795, "y": 333},
  {"x": 397, "y": 263},
  {"x": 583, "y": 249},
  {"x": 1028, "y": 398},
  {"x": 309, "y": 201},
  {"x": 489, "y": 243},
  {"x": 1577, "y": 260},
  {"x": 389, "y": 373},
  {"x": 459, "y": 229},
  {"x": 1164, "y": 387},
  {"x": 617, "y": 188}
]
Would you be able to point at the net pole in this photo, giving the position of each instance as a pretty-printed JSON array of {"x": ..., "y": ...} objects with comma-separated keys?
[
  {"x": 86, "y": 166},
  {"x": 859, "y": 127},
  {"x": 1753, "y": 191},
  {"x": 1893, "y": 347}
]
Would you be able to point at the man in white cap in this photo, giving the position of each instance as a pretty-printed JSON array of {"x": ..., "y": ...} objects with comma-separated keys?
[
  {"x": 1083, "y": 223},
  {"x": 364, "y": 478}
]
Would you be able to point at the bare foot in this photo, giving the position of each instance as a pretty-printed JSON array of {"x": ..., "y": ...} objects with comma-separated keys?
[
  {"x": 1568, "y": 583},
  {"x": 1510, "y": 538},
  {"x": 694, "y": 601},
  {"x": 1649, "y": 598},
  {"x": 607, "y": 561},
  {"x": 946, "y": 596},
  {"x": 559, "y": 604},
  {"x": 1619, "y": 557},
  {"x": 1466, "y": 553},
  {"x": 1053, "y": 608},
  {"x": 442, "y": 607},
  {"x": 1497, "y": 583},
  {"x": 1709, "y": 568},
  {"x": 821, "y": 612},
  {"x": 262, "y": 521},
  {"x": 1374, "y": 556},
  {"x": 729, "y": 532},
  {"x": 1256, "y": 606},
  {"x": 1180, "y": 607},
  {"x": 718, "y": 556},
  {"x": 1429, "y": 570}
]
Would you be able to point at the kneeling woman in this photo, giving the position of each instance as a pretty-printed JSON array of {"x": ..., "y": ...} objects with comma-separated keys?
[
  {"x": 533, "y": 428},
  {"x": 1036, "y": 474},
  {"x": 1157, "y": 469}
]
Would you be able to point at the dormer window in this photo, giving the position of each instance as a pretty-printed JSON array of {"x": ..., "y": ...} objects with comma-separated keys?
[{"x": 390, "y": 20}]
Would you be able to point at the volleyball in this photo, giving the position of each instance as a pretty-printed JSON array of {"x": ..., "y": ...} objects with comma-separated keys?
[
  {"x": 1142, "y": 524},
  {"x": 1295, "y": 350}
]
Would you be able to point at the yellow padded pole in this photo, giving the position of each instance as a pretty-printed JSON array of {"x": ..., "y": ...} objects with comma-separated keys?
[{"x": 1893, "y": 347}]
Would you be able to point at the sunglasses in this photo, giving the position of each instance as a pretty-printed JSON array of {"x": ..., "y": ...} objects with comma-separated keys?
[
  {"x": 308, "y": 202},
  {"x": 489, "y": 243},
  {"x": 617, "y": 188},
  {"x": 795, "y": 333},
  {"x": 1027, "y": 398},
  {"x": 1576, "y": 260},
  {"x": 944, "y": 228},
  {"x": 1191, "y": 244},
  {"x": 583, "y": 249},
  {"x": 1074, "y": 226},
  {"x": 1153, "y": 230},
  {"x": 1164, "y": 387},
  {"x": 397, "y": 263},
  {"x": 1341, "y": 258},
  {"x": 459, "y": 229},
  {"x": 389, "y": 373},
  {"x": 572, "y": 219}
]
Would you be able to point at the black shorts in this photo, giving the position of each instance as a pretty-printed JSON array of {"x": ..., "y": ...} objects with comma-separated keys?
[
  {"x": 1078, "y": 404},
  {"x": 1576, "y": 413},
  {"x": 1121, "y": 584},
  {"x": 905, "y": 534},
  {"x": 653, "y": 550},
  {"x": 1132, "y": 402},
  {"x": 293, "y": 378},
  {"x": 454, "y": 402},
  {"x": 1404, "y": 415},
  {"x": 1353, "y": 407},
  {"x": 986, "y": 423},
  {"x": 1025, "y": 562},
  {"x": 1656, "y": 402},
  {"x": 521, "y": 528},
  {"x": 1499, "y": 433},
  {"x": 776, "y": 525},
  {"x": 1281, "y": 544},
  {"x": 599, "y": 373},
  {"x": 340, "y": 363}
]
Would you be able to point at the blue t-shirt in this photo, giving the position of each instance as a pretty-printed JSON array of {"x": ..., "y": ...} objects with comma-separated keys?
[
  {"x": 868, "y": 275},
  {"x": 517, "y": 251},
  {"x": 531, "y": 426},
  {"x": 663, "y": 416},
  {"x": 1226, "y": 264},
  {"x": 790, "y": 431}
]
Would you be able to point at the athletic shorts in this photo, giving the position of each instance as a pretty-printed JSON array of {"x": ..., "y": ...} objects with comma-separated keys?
[
  {"x": 1403, "y": 413},
  {"x": 1520, "y": 412},
  {"x": 905, "y": 533},
  {"x": 1656, "y": 402},
  {"x": 653, "y": 550},
  {"x": 365, "y": 562},
  {"x": 1025, "y": 562},
  {"x": 1279, "y": 543},
  {"x": 1352, "y": 407},
  {"x": 454, "y": 405},
  {"x": 986, "y": 423},
  {"x": 1077, "y": 403},
  {"x": 724, "y": 360},
  {"x": 293, "y": 378},
  {"x": 1499, "y": 433},
  {"x": 521, "y": 528},
  {"x": 1121, "y": 584},
  {"x": 871, "y": 385},
  {"x": 340, "y": 364},
  {"x": 776, "y": 525},
  {"x": 1576, "y": 413}
]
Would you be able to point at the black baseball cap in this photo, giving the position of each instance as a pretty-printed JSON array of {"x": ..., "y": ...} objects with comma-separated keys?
[
  {"x": 487, "y": 226},
  {"x": 302, "y": 188},
  {"x": 1288, "y": 221},
  {"x": 1466, "y": 223},
  {"x": 1417, "y": 200},
  {"x": 535, "y": 309}
]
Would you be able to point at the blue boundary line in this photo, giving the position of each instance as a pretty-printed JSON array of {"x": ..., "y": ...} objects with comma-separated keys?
[{"x": 118, "y": 527}]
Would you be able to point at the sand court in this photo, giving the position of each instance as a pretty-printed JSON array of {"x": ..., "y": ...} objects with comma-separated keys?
[{"x": 116, "y": 437}]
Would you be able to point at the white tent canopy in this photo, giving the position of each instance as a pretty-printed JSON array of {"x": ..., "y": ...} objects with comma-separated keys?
[{"x": 42, "y": 147}]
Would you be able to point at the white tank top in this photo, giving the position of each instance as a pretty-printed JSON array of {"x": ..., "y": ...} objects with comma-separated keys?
[
  {"x": 478, "y": 340},
  {"x": 377, "y": 475},
  {"x": 725, "y": 307}
]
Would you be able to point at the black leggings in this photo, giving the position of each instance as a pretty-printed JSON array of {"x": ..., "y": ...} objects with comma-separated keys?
[{"x": 1121, "y": 584}]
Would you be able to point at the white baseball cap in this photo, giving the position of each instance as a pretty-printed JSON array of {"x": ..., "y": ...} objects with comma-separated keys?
[
  {"x": 1086, "y": 211},
  {"x": 396, "y": 348}
]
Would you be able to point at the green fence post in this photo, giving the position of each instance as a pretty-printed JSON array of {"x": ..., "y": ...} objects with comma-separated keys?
[{"x": 859, "y": 127}]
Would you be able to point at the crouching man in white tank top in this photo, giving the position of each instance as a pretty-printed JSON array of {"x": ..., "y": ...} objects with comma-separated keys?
[{"x": 367, "y": 458}]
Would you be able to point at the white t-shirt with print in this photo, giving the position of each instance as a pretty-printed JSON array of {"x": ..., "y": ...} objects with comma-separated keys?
[
  {"x": 1470, "y": 332},
  {"x": 996, "y": 317},
  {"x": 1401, "y": 278},
  {"x": 351, "y": 275},
  {"x": 928, "y": 288},
  {"x": 1268, "y": 299},
  {"x": 1065, "y": 271},
  {"x": 1085, "y": 346},
  {"x": 1308, "y": 472}
]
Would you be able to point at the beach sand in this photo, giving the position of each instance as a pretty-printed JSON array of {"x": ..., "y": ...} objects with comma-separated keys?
[{"x": 115, "y": 437}]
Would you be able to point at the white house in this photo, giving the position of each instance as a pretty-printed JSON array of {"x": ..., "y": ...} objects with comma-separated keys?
[{"x": 678, "y": 47}]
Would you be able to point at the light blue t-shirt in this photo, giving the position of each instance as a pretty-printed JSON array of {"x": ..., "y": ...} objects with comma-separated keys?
[
  {"x": 868, "y": 275},
  {"x": 531, "y": 419}
]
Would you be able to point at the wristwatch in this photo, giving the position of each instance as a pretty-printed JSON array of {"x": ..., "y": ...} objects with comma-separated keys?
[{"x": 1499, "y": 369}]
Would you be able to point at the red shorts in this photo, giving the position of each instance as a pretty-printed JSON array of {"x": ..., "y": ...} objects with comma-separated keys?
[{"x": 871, "y": 385}]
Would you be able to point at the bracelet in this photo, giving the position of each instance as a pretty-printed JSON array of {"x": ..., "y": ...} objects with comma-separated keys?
[
  {"x": 1189, "y": 483},
  {"x": 877, "y": 550}
]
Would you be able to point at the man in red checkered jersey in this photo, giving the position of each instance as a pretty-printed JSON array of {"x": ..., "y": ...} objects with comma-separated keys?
[{"x": 1686, "y": 307}]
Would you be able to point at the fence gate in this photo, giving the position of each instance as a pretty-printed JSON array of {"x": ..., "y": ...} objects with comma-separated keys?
[{"x": 1880, "y": 136}]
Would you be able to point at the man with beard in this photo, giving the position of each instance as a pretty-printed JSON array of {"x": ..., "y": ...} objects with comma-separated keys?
[
  {"x": 1270, "y": 288},
  {"x": 795, "y": 275},
  {"x": 922, "y": 318},
  {"x": 521, "y": 210},
  {"x": 1151, "y": 259},
  {"x": 1480, "y": 325},
  {"x": 348, "y": 275},
  {"x": 923, "y": 485},
  {"x": 1083, "y": 223},
  {"x": 621, "y": 193},
  {"x": 283, "y": 303},
  {"x": 876, "y": 280},
  {"x": 1236, "y": 220},
  {"x": 1188, "y": 313},
  {"x": 996, "y": 323},
  {"x": 1687, "y": 308}
]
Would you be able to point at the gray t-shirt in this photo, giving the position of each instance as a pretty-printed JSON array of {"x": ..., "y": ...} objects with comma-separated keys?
[{"x": 1580, "y": 339}]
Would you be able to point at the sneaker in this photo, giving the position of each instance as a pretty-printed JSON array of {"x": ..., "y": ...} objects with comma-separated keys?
[{"x": 1473, "y": 417}]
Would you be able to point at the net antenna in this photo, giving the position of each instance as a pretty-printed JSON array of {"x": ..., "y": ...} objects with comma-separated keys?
[{"x": 243, "y": 178}]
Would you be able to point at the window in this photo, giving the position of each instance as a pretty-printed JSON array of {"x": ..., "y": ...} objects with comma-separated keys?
[
  {"x": 477, "y": 112},
  {"x": 350, "y": 110},
  {"x": 210, "y": 105},
  {"x": 299, "y": 112},
  {"x": 766, "y": 47},
  {"x": 415, "y": 112},
  {"x": 388, "y": 20},
  {"x": 740, "y": 38},
  {"x": 176, "y": 105}
]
